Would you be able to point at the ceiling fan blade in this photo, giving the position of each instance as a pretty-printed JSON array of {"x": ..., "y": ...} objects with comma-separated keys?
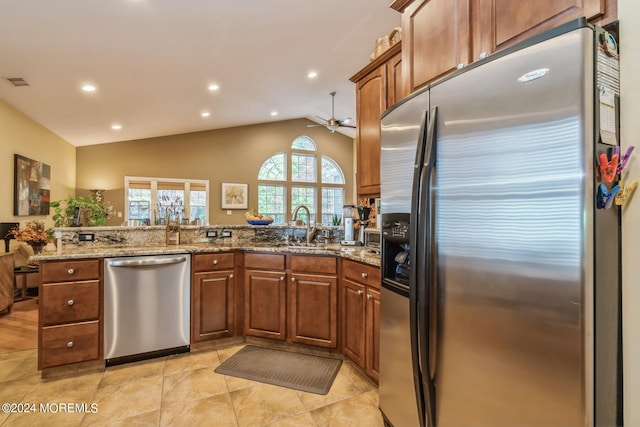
[
  {"x": 347, "y": 126},
  {"x": 313, "y": 126}
]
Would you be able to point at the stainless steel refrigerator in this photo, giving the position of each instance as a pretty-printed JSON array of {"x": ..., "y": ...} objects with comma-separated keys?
[{"x": 500, "y": 299}]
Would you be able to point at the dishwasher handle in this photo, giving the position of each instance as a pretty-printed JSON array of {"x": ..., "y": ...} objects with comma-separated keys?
[{"x": 147, "y": 262}]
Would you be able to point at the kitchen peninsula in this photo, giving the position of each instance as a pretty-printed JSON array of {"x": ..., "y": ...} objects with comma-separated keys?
[{"x": 245, "y": 281}]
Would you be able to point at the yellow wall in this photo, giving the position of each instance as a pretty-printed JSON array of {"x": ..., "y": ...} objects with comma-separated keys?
[
  {"x": 629, "y": 13},
  {"x": 225, "y": 155},
  {"x": 21, "y": 135}
]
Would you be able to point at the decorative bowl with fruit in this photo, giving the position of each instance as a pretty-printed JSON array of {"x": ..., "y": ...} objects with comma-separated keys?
[{"x": 254, "y": 218}]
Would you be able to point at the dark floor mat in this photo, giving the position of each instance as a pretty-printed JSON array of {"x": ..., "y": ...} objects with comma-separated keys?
[{"x": 298, "y": 371}]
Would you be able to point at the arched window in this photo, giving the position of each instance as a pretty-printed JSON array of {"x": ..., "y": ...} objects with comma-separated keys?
[{"x": 283, "y": 185}]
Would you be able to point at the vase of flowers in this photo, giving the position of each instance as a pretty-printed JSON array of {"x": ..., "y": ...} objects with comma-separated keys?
[{"x": 34, "y": 234}]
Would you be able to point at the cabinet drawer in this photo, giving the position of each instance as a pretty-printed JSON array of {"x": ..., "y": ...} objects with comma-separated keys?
[
  {"x": 361, "y": 273},
  {"x": 213, "y": 262},
  {"x": 314, "y": 264},
  {"x": 264, "y": 261},
  {"x": 66, "y": 344},
  {"x": 68, "y": 271},
  {"x": 70, "y": 302}
]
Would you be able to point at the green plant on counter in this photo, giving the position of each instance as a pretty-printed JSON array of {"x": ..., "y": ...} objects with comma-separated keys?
[
  {"x": 95, "y": 212},
  {"x": 336, "y": 220}
]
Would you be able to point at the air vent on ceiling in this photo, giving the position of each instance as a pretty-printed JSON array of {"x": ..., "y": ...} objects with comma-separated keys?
[{"x": 17, "y": 81}]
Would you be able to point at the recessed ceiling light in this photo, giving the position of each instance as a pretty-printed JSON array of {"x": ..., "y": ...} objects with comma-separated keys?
[
  {"x": 312, "y": 74},
  {"x": 116, "y": 127},
  {"x": 205, "y": 114},
  {"x": 88, "y": 88},
  {"x": 214, "y": 87},
  {"x": 274, "y": 113}
]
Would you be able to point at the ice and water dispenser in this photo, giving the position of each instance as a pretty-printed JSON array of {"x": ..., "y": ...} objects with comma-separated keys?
[{"x": 395, "y": 248}]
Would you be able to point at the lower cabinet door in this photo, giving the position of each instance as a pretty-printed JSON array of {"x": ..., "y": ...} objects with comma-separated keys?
[
  {"x": 265, "y": 304},
  {"x": 313, "y": 310},
  {"x": 353, "y": 321},
  {"x": 372, "y": 367},
  {"x": 72, "y": 343},
  {"x": 212, "y": 313}
]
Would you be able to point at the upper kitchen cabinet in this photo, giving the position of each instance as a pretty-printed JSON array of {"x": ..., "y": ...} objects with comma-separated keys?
[
  {"x": 502, "y": 23},
  {"x": 378, "y": 86},
  {"x": 442, "y": 35},
  {"x": 436, "y": 38}
]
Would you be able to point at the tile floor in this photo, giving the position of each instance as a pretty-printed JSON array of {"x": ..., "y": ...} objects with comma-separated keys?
[{"x": 180, "y": 390}]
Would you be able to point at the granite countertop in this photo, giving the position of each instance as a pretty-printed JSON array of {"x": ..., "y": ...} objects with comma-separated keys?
[{"x": 357, "y": 254}]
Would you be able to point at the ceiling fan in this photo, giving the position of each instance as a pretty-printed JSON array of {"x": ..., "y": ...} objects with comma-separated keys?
[{"x": 332, "y": 124}]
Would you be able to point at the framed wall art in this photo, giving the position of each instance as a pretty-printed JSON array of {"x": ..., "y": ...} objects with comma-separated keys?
[
  {"x": 234, "y": 196},
  {"x": 32, "y": 187}
]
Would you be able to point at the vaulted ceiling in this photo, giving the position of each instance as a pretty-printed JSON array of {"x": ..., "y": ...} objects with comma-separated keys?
[{"x": 152, "y": 62}]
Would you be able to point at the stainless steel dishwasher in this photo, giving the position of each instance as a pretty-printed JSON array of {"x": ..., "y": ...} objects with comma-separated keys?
[{"x": 146, "y": 307}]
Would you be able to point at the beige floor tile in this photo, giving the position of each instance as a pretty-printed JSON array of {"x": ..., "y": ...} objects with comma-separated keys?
[
  {"x": 304, "y": 420},
  {"x": 211, "y": 411},
  {"x": 235, "y": 383},
  {"x": 342, "y": 388},
  {"x": 150, "y": 419},
  {"x": 129, "y": 372},
  {"x": 358, "y": 379},
  {"x": 225, "y": 353},
  {"x": 185, "y": 362},
  {"x": 45, "y": 419},
  {"x": 357, "y": 411},
  {"x": 264, "y": 404},
  {"x": 374, "y": 396},
  {"x": 76, "y": 389},
  {"x": 126, "y": 400},
  {"x": 192, "y": 385}
]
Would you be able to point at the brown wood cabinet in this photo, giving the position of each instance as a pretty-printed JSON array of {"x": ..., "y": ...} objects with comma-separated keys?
[
  {"x": 212, "y": 300},
  {"x": 71, "y": 312},
  {"x": 436, "y": 38},
  {"x": 265, "y": 281},
  {"x": 360, "y": 315},
  {"x": 378, "y": 86},
  {"x": 313, "y": 300},
  {"x": 441, "y": 35}
]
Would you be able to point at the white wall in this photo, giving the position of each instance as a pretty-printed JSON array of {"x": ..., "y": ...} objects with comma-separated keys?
[{"x": 629, "y": 16}]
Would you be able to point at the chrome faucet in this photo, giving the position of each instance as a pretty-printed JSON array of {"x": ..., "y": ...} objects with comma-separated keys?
[{"x": 310, "y": 230}]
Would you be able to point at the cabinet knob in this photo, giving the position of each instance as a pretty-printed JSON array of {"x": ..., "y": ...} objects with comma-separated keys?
[
  {"x": 71, "y": 271},
  {"x": 231, "y": 276},
  {"x": 70, "y": 302},
  {"x": 460, "y": 66},
  {"x": 293, "y": 279},
  {"x": 282, "y": 278},
  {"x": 369, "y": 296},
  {"x": 360, "y": 292},
  {"x": 215, "y": 262},
  {"x": 70, "y": 344},
  {"x": 365, "y": 275},
  {"x": 483, "y": 55}
]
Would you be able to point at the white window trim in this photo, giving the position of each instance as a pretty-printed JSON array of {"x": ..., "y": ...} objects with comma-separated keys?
[{"x": 154, "y": 192}]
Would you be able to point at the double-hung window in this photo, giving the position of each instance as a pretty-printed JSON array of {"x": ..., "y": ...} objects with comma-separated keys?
[{"x": 153, "y": 199}]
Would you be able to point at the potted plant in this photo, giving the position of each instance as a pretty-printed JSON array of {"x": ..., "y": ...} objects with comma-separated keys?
[{"x": 92, "y": 213}]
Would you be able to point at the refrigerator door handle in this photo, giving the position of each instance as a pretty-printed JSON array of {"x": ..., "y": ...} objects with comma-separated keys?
[
  {"x": 413, "y": 275},
  {"x": 426, "y": 292}
]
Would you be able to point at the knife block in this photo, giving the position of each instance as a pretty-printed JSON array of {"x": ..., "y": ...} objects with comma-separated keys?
[{"x": 173, "y": 233}]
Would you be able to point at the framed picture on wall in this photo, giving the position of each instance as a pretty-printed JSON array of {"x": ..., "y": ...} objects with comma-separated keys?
[
  {"x": 235, "y": 196},
  {"x": 32, "y": 187}
]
